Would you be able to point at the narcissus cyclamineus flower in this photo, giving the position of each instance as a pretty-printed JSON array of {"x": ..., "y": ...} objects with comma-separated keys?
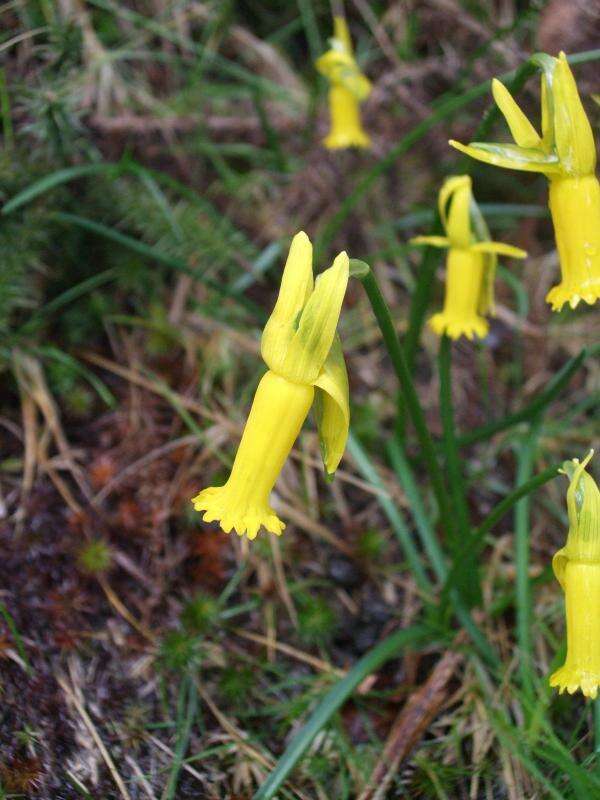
[
  {"x": 577, "y": 568},
  {"x": 304, "y": 356},
  {"x": 566, "y": 154},
  {"x": 347, "y": 88},
  {"x": 471, "y": 262}
]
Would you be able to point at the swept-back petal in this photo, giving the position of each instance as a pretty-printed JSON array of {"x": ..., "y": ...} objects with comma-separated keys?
[
  {"x": 511, "y": 156},
  {"x": 573, "y": 135},
  {"x": 523, "y": 132},
  {"x": 500, "y": 249},
  {"x": 431, "y": 241},
  {"x": 332, "y": 407}
]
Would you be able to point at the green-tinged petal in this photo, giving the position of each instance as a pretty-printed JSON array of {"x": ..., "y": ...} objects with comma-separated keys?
[
  {"x": 510, "y": 156},
  {"x": 547, "y": 105},
  {"x": 583, "y": 505},
  {"x": 500, "y": 249},
  {"x": 341, "y": 69},
  {"x": 316, "y": 328},
  {"x": 523, "y": 132},
  {"x": 296, "y": 287},
  {"x": 573, "y": 135},
  {"x": 430, "y": 241},
  {"x": 332, "y": 407},
  {"x": 342, "y": 33},
  {"x": 458, "y": 224}
]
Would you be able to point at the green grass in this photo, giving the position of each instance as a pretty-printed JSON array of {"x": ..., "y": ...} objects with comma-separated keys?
[{"x": 145, "y": 219}]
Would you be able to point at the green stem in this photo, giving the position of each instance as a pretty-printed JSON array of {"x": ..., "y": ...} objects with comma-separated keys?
[
  {"x": 555, "y": 386},
  {"x": 386, "y": 325},
  {"x": 421, "y": 297},
  {"x": 453, "y": 462},
  {"x": 369, "y": 663},
  {"x": 465, "y": 569},
  {"x": 522, "y": 551}
]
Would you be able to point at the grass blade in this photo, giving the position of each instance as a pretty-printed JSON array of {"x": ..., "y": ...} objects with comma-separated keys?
[
  {"x": 369, "y": 472},
  {"x": 528, "y": 412},
  {"x": 388, "y": 648}
]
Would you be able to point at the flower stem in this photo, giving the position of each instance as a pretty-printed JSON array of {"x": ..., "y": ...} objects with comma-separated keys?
[
  {"x": 465, "y": 564},
  {"x": 596, "y": 712},
  {"x": 522, "y": 551},
  {"x": 386, "y": 325}
]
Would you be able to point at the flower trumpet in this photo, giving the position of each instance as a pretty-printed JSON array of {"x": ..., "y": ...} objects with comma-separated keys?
[
  {"x": 347, "y": 88},
  {"x": 577, "y": 569},
  {"x": 566, "y": 154},
  {"x": 305, "y": 363},
  {"x": 471, "y": 263}
]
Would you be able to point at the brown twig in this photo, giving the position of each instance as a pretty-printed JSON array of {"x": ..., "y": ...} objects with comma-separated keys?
[{"x": 410, "y": 725}]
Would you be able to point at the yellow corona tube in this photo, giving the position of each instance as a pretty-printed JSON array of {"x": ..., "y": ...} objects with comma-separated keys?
[
  {"x": 577, "y": 568},
  {"x": 347, "y": 88},
  {"x": 304, "y": 356},
  {"x": 470, "y": 265},
  {"x": 566, "y": 154}
]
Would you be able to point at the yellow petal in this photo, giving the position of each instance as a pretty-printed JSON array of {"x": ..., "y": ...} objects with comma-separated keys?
[
  {"x": 450, "y": 185},
  {"x": 332, "y": 407},
  {"x": 572, "y": 131},
  {"x": 500, "y": 249},
  {"x": 430, "y": 241},
  {"x": 296, "y": 281},
  {"x": 296, "y": 287},
  {"x": 458, "y": 222},
  {"x": 510, "y": 156},
  {"x": 523, "y": 132},
  {"x": 583, "y": 504},
  {"x": 342, "y": 33},
  {"x": 316, "y": 328}
]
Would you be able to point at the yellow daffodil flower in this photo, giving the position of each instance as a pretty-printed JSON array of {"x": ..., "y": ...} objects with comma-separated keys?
[
  {"x": 471, "y": 263},
  {"x": 577, "y": 568},
  {"x": 348, "y": 87},
  {"x": 566, "y": 154},
  {"x": 304, "y": 356}
]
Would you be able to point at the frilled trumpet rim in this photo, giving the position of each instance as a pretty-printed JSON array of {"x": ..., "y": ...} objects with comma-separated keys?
[
  {"x": 278, "y": 410},
  {"x": 573, "y": 294},
  {"x": 570, "y": 679},
  {"x": 455, "y": 326},
  {"x": 221, "y": 505},
  {"x": 341, "y": 140}
]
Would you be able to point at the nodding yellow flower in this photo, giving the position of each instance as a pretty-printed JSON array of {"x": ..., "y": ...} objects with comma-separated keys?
[
  {"x": 566, "y": 154},
  {"x": 471, "y": 262},
  {"x": 304, "y": 356},
  {"x": 348, "y": 87},
  {"x": 577, "y": 568}
]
